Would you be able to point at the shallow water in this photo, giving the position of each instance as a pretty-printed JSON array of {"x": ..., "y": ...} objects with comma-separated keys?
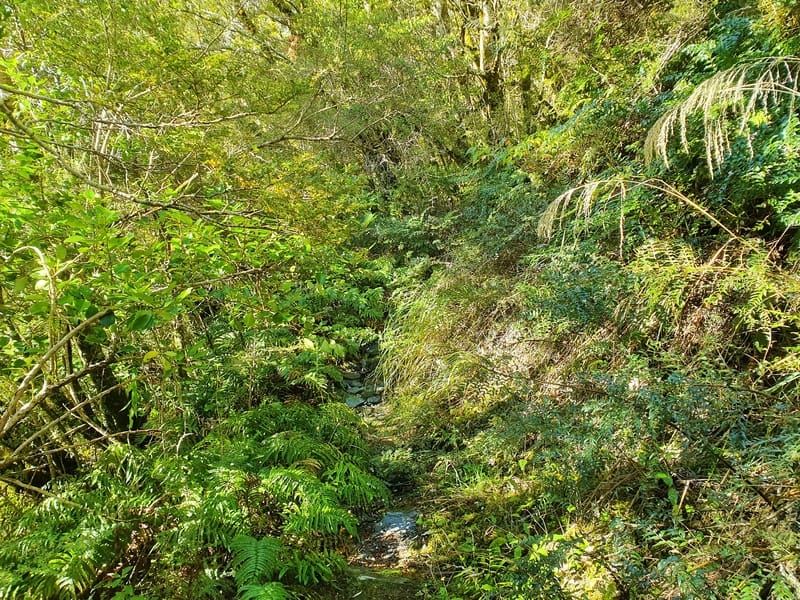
[{"x": 381, "y": 569}]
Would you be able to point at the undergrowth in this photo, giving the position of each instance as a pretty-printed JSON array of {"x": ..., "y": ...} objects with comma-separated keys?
[
  {"x": 263, "y": 504},
  {"x": 592, "y": 346},
  {"x": 610, "y": 410}
]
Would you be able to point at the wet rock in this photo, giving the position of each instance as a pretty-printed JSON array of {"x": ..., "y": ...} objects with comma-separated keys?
[
  {"x": 359, "y": 385},
  {"x": 371, "y": 349},
  {"x": 391, "y": 542},
  {"x": 402, "y": 525},
  {"x": 354, "y": 401}
]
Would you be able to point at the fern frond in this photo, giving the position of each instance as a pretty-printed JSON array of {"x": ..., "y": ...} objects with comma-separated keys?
[
  {"x": 259, "y": 422},
  {"x": 42, "y": 584},
  {"x": 76, "y": 573},
  {"x": 340, "y": 426},
  {"x": 207, "y": 518},
  {"x": 11, "y": 585},
  {"x": 270, "y": 591},
  {"x": 318, "y": 516},
  {"x": 741, "y": 90},
  {"x": 290, "y": 447},
  {"x": 291, "y": 485},
  {"x": 354, "y": 486},
  {"x": 296, "y": 416},
  {"x": 254, "y": 561},
  {"x": 338, "y": 415},
  {"x": 312, "y": 567}
]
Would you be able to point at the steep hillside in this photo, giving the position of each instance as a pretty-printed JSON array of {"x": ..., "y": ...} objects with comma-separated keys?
[{"x": 600, "y": 372}]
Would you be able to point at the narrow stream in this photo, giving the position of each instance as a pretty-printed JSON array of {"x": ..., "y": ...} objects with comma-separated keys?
[
  {"x": 383, "y": 566},
  {"x": 379, "y": 571}
]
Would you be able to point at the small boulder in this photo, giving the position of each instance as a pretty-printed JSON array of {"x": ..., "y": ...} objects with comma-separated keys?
[{"x": 354, "y": 401}]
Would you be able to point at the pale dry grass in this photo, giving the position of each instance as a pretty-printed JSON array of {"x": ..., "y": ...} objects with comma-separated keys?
[
  {"x": 740, "y": 91},
  {"x": 580, "y": 201}
]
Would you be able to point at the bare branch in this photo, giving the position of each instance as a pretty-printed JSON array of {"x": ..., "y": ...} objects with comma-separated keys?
[
  {"x": 18, "y": 92},
  {"x": 12, "y": 415},
  {"x": 37, "y": 490},
  {"x": 17, "y": 453}
]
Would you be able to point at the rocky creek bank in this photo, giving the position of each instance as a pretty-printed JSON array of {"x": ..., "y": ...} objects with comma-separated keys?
[{"x": 383, "y": 564}]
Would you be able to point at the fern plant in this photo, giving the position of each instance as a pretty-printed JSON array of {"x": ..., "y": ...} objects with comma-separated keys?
[
  {"x": 354, "y": 486},
  {"x": 290, "y": 447},
  {"x": 318, "y": 517},
  {"x": 261, "y": 503},
  {"x": 273, "y": 590},
  {"x": 255, "y": 561}
]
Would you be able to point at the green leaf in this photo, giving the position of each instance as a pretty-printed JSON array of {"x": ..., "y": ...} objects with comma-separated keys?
[
  {"x": 75, "y": 239},
  {"x": 184, "y": 294},
  {"x": 122, "y": 268},
  {"x": 108, "y": 320},
  {"x": 141, "y": 321},
  {"x": 42, "y": 307},
  {"x": 20, "y": 284},
  {"x": 269, "y": 591},
  {"x": 665, "y": 477},
  {"x": 672, "y": 494},
  {"x": 254, "y": 560}
]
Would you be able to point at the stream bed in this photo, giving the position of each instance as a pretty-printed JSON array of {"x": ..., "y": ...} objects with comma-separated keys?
[{"x": 382, "y": 567}]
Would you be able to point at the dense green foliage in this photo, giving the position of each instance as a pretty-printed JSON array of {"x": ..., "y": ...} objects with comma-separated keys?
[
  {"x": 572, "y": 225},
  {"x": 603, "y": 372}
]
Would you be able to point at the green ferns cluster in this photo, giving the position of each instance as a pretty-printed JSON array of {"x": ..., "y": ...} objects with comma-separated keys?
[{"x": 262, "y": 504}]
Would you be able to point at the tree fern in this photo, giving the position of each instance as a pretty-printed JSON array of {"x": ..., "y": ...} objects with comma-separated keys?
[{"x": 254, "y": 561}]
